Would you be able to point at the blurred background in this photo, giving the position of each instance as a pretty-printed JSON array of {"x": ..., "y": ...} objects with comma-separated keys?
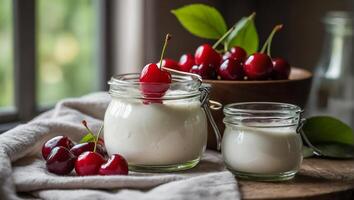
[{"x": 53, "y": 49}]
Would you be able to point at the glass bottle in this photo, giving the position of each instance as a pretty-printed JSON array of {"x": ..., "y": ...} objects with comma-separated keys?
[{"x": 332, "y": 91}]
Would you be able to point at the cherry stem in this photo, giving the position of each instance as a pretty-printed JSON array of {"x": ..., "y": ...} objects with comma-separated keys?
[
  {"x": 85, "y": 125},
  {"x": 168, "y": 37},
  {"x": 223, "y": 37},
  {"x": 268, "y": 42},
  {"x": 97, "y": 136}
]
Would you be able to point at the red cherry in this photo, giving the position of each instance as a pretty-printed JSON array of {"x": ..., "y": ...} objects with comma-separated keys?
[
  {"x": 186, "y": 62},
  {"x": 236, "y": 53},
  {"x": 207, "y": 55},
  {"x": 169, "y": 63},
  {"x": 114, "y": 166},
  {"x": 88, "y": 163},
  {"x": 281, "y": 69},
  {"x": 60, "y": 161},
  {"x": 231, "y": 69},
  {"x": 58, "y": 141},
  {"x": 258, "y": 66},
  {"x": 205, "y": 71},
  {"x": 78, "y": 149},
  {"x": 155, "y": 82}
]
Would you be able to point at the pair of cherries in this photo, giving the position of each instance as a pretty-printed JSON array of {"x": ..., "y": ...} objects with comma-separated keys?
[
  {"x": 259, "y": 66},
  {"x": 88, "y": 158}
]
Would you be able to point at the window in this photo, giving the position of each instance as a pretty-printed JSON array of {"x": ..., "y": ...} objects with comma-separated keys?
[
  {"x": 66, "y": 39},
  {"x": 50, "y": 50},
  {"x": 6, "y": 56}
]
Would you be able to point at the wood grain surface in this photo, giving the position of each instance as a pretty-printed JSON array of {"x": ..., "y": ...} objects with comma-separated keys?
[{"x": 319, "y": 179}]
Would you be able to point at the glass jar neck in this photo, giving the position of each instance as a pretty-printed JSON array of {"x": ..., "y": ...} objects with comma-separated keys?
[
  {"x": 337, "y": 47},
  {"x": 262, "y": 114},
  {"x": 129, "y": 86}
]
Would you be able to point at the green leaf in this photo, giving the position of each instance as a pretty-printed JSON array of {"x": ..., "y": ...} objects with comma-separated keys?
[
  {"x": 325, "y": 129},
  {"x": 244, "y": 35},
  {"x": 333, "y": 138},
  {"x": 89, "y": 137},
  {"x": 307, "y": 152},
  {"x": 201, "y": 20},
  {"x": 337, "y": 150}
]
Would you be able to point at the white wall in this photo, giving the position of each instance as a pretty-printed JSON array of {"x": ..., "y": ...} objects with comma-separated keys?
[{"x": 130, "y": 35}]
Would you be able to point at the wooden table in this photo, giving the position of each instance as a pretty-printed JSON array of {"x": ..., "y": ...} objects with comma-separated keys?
[{"x": 318, "y": 179}]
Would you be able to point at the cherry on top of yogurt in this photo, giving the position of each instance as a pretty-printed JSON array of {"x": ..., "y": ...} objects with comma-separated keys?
[{"x": 156, "y": 79}]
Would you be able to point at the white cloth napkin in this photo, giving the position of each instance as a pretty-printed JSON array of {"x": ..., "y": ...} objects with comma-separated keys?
[{"x": 23, "y": 174}]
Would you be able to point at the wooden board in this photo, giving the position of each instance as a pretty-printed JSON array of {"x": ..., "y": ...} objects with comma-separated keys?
[{"x": 318, "y": 179}]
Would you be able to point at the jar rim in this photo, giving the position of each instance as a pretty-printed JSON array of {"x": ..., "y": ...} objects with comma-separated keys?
[
  {"x": 128, "y": 85},
  {"x": 262, "y": 114},
  {"x": 261, "y": 107}
]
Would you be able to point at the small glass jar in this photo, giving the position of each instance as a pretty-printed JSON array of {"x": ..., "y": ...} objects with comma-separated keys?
[
  {"x": 155, "y": 133},
  {"x": 262, "y": 141}
]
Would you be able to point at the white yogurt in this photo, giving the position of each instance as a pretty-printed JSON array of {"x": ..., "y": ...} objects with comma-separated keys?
[
  {"x": 262, "y": 150},
  {"x": 155, "y": 134}
]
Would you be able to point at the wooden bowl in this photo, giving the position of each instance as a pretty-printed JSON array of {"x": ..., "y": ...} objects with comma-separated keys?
[{"x": 296, "y": 91}]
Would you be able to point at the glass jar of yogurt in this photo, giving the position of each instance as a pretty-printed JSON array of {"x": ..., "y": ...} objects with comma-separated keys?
[
  {"x": 262, "y": 141},
  {"x": 167, "y": 133}
]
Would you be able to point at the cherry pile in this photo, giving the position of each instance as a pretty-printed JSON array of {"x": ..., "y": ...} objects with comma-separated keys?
[
  {"x": 212, "y": 64},
  {"x": 88, "y": 158},
  {"x": 234, "y": 64}
]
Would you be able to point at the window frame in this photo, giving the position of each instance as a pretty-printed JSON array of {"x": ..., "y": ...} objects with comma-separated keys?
[{"x": 25, "y": 54}]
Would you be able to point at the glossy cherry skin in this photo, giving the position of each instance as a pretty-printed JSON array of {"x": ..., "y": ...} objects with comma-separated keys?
[
  {"x": 205, "y": 54},
  {"x": 88, "y": 163},
  {"x": 169, "y": 63},
  {"x": 258, "y": 66},
  {"x": 58, "y": 141},
  {"x": 78, "y": 149},
  {"x": 231, "y": 69},
  {"x": 154, "y": 81},
  {"x": 116, "y": 165},
  {"x": 281, "y": 69},
  {"x": 205, "y": 71},
  {"x": 186, "y": 62},
  {"x": 60, "y": 161},
  {"x": 236, "y": 53}
]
